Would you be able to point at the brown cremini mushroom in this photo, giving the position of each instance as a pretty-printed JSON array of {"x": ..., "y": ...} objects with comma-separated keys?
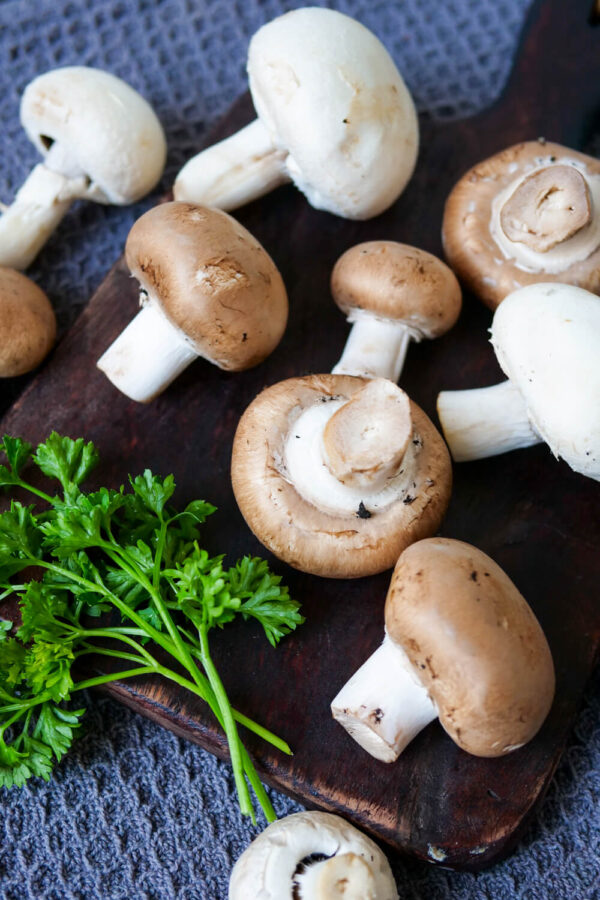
[
  {"x": 309, "y": 483},
  {"x": 391, "y": 293},
  {"x": 527, "y": 214},
  {"x": 461, "y": 645},
  {"x": 208, "y": 288},
  {"x": 27, "y": 324}
]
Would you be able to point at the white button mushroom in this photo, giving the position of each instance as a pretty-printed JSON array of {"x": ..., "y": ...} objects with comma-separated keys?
[
  {"x": 392, "y": 294},
  {"x": 547, "y": 341},
  {"x": 100, "y": 140},
  {"x": 461, "y": 645},
  {"x": 336, "y": 474},
  {"x": 312, "y": 856},
  {"x": 27, "y": 324},
  {"x": 530, "y": 213},
  {"x": 334, "y": 117},
  {"x": 208, "y": 289}
]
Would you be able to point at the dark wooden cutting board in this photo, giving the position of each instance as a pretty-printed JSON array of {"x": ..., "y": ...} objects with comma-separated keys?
[{"x": 534, "y": 516}]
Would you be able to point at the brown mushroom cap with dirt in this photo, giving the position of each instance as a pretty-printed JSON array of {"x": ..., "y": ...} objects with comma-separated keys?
[
  {"x": 27, "y": 324},
  {"x": 530, "y": 213},
  {"x": 461, "y": 645},
  {"x": 337, "y": 474},
  {"x": 391, "y": 293},
  {"x": 207, "y": 288}
]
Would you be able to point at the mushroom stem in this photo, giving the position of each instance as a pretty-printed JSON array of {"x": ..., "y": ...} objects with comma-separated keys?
[
  {"x": 235, "y": 171},
  {"x": 384, "y": 706},
  {"x": 147, "y": 356},
  {"x": 40, "y": 204},
  {"x": 342, "y": 461},
  {"x": 485, "y": 421},
  {"x": 347, "y": 876},
  {"x": 376, "y": 348}
]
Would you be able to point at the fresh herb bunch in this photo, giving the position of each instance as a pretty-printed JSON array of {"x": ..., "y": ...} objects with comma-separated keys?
[{"x": 126, "y": 552}]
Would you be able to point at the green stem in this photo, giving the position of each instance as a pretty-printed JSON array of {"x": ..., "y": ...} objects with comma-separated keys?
[
  {"x": 229, "y": 726},
  {"x": 33, "y": 490},
  {"x": 102, "y": 651},
  {"x": 160, "y": 545},
  {"x": 118, "y": 635},
  {"x": 114, "y": 676}
]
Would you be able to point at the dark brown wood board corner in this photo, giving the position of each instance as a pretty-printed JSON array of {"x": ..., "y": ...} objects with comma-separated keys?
[{"x": 535, "y": 517}]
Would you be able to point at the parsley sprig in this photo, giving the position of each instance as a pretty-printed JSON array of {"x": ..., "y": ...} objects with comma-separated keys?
[{"x": 130, "y": 553}]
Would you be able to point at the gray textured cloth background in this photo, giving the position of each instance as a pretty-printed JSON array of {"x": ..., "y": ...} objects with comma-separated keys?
[{"x": 134, "y": 812}]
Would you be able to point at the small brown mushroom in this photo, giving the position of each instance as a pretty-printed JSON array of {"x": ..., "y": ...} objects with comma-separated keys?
[
  {"x": 308, "y": 483},
  {"x": 461, "y": 645},
  {"x": 27, "y": 324},
  {"x": 208, "y": 288},
  {"x": 527, "y": 214},
  {"x": 391, "y": 293}
]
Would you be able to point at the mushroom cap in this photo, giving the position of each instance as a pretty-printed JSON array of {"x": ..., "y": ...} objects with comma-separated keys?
[
  {"x": 547, "y": 340},
  {"x": 296, "y": 531},
  {"x": 396, "y": 281},
  {"x": 474, "y": 642},
  {"x": 331, "y": 96},
  {"x": 266, "y": 869},
  {"x": 470, "y": 246},
  {"x": 212, "y": 280},
  {"x": 108, "y": 128},
  {"x": 27, "y": 324}
]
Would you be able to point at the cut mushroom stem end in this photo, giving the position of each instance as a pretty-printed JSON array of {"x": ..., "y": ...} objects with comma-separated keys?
[
  {"x": 347, "y": 876},
  {"x": 384, "y": 721},
  {"x": 235, "y": 171},
  {"x": 485, "y": 421},
  {"x": 376, "y": 348},
  {"x": 547, "y": 208},
  {"x": 365, "y": 440},
  {"x": 147, "y": 356}
]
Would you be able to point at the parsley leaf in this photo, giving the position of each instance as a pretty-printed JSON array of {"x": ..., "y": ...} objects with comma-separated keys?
[{"x": 129, "y": 554}]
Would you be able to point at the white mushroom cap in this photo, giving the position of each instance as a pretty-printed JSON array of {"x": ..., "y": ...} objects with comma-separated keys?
[
  {"x": 334, "y": 117},
  {"x": 331, "y": 95},
  {"x": 280, "y": 864},
  {"x": 100, "y": 141},
  {"x": 547, "y": 340},
  {"x": 110, "y": 131}
]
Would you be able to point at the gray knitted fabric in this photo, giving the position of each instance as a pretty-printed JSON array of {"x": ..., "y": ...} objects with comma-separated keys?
[{"x": 134, "y": 812}]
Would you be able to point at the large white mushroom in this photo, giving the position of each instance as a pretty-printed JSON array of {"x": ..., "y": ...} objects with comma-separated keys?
[
  {"x": 334, "y": 116},
  {"x": 547, "y": 341},
  {"x": 312, "y": 856},
  {"x": 100, "y": 141}
]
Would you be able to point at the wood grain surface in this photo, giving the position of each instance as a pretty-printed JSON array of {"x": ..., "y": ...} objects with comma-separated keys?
[{"x": 534, "y": 516}]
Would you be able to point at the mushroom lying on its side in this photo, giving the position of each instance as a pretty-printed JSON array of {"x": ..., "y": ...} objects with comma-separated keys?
[
  {"x": 461, "y": 645},
  {"x": 27, "y": 324},
  {"x": 100, "y": 141},
  {"x": 547, "y": 341},
  {"x": 391, "y": 294},
  {"x": 530, "y": 213},
  {"x": 334, "y": 117},
  {"x": 337, "y": 474},
  {"x": 208, "y": 288},
  {"x": 312, "y": 856}
]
